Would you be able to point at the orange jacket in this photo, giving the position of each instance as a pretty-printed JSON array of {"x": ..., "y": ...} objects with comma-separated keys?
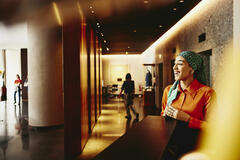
[{"x": 194, "y": 100}]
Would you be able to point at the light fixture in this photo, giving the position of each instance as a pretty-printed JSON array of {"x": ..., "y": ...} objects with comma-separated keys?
[
  {"x": 102, "y": 34},
  {"x": 107, "y": 49},
  {"x": 92, "y": 11},
  {"x": 174, "y": 9},
  {"x": 126, "y": 52},
  {"x": 128, "y": 46},
  {"x": 105, "y": 41},
  {"x": 181, "y": 1},
  {"x": 134, "y": 30},
  {"x": 97, "y": 23},
  {"x": 160, "y": 26},
  {"x": 145, "y": 1}
]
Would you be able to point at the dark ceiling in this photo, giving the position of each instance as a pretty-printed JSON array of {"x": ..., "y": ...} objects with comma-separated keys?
[
  {"x": 133, "y": 25},
  {"x": 123, "y": 25}
]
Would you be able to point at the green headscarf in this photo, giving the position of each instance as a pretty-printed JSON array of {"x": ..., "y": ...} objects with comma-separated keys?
[{"x": 196, "y": 62}]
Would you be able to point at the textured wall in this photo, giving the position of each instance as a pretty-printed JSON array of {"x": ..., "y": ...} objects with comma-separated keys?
[{"x": 215, "y": 18}]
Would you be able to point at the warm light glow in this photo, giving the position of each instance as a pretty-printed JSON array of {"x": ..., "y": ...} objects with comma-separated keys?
[
  {"x": 145, "y": 2},
  {"x": 190, "y": 16},
  {"x": 222, "y": 134},
  {"x": 107, "y": 49},
  {"x": 57, "y": 14},
  {"x": 174, "y": 9},
  {"x": 160, "y": 56},
  {"x": 105, "y": 41},
  {"x": 80, "y": 12}
]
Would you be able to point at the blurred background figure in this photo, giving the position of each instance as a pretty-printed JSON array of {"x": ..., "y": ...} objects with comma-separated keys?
[
  {"x": 17, "y": 84},
  {"x": 129, "y": 89}
]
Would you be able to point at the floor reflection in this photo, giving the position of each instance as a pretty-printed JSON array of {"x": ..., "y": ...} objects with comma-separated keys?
[
  {"x": 18, "y": 141},
  {"x": 111, "y": 125}
]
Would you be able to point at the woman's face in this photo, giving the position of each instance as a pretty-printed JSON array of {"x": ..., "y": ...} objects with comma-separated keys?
[{"x": 182, "y": 70}]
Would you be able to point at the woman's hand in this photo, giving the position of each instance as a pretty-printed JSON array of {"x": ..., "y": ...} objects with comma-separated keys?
[{"x": 176, "y": 114}]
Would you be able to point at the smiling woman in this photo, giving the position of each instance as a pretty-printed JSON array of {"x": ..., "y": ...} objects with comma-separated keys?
[{"x": 188, "y": 99}]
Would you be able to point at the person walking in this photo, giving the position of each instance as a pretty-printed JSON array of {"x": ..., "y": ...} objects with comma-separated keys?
[
  {"x": 129, "y": 90},
  {"x": 17, "y": 84}
]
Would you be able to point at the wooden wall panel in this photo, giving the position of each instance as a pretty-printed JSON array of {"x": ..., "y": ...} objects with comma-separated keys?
[
  {"x": 71, "y": 69},
  {"x": 75, "y": 81},
  {"x": 84, "y": 85},
  {"x": 24, "y": 73},
  {"x": 100, "y": 78},
  {"x": 91, "y": 75},
  {"x": 97, "y": 78}
]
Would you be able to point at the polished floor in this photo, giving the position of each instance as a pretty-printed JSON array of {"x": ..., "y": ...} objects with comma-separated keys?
[
  {"x": 19, "y": 141},
  {"x": 112, "y": 124}
]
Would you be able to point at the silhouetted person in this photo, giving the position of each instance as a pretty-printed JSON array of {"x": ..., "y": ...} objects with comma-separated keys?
[{"x": 129, "y": 90}]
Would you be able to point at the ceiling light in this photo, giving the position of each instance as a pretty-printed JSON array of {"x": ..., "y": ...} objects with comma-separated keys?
[
  {"x": 174, "y": 9},
  {"x": 97, "y": 23},
  {"x": 102, "y": 34},
  {"x": 90, "y": 7},
  {"x": 107, "y": 49},
  {"x": 134, "y": 30},
  {"x": 160, "y": 26},
  {"x": 145, "y": 1},
  {"x": 105, "y": 41},
  {"x": 181, "y": 1},
  {"x": 92, "y": 11},
  {"x": 128, "y": 46}
]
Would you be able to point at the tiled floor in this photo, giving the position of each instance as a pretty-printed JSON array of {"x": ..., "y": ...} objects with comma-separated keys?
[{"x": 18, "y": 141}]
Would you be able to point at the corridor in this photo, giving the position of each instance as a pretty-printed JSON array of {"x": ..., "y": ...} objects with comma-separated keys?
[
  {"x": 18, "y": 141},
  {"x": 112, "y": 124}
]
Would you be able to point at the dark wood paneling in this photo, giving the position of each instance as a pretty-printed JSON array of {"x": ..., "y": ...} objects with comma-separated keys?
[
  {"x": 91, "y": 98},
  {"x": 84, "y": 85},
  {"x": 100, "y": 78},
  {"x": 71, "y": 69},
  {"x": 97, "y": 77},
  {"x": 24, "y": 72}
]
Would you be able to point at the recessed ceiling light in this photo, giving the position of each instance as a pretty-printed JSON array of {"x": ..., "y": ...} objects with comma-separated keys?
[
  {"x": 160, "y": 26},
  {"x": 174, "y": 9},
  {"x": 134, "y": 30},
  {"x": 181, "y": 1},
  {"x": 92, "y": 11},
  {"x": 105, "y": 41}
]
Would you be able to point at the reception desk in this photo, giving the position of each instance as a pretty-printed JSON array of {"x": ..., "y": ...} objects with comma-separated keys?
[{"x": 146, "y": 140}]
